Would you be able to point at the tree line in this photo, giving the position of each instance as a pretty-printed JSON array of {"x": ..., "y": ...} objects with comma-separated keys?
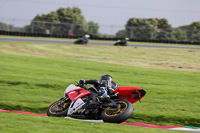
[
  {"x": 10, "y": 27},
  {"x": 71, "y": 21},
  {"x": 159, "y": 29}
]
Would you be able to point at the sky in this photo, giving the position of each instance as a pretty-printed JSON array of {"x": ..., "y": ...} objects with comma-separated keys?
[{"x": 111, "y": 15}]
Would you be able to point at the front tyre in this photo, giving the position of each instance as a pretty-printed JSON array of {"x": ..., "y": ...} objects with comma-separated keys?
[
  {"x": 59, "y": 108},
  {"x": 119, "y": 114},
  {"x": 76, "y": 42},
  {"x": 116, "y": 44}
]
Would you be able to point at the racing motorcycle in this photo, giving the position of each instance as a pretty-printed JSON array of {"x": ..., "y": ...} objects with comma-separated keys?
[
  {"x": 82, "y": 102},
  {"x": 82, "y": 40},
  {"x": 122, "y": 42}
]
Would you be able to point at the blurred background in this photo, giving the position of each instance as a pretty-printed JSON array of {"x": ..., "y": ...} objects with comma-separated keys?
[{"x": 148, "y": 21}]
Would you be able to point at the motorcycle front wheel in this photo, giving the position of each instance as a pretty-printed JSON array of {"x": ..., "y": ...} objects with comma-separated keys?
[
  {"x": 76, "y": 42},
  {"x": 116, "y": 44},
  {"x": 59, "y": 108},
  {"x": 119, "y": 114}
]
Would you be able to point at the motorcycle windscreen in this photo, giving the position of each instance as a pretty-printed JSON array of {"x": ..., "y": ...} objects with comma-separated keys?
[
  {"x": 70, "y": 88},
  {"x": 131, "y": 94}
]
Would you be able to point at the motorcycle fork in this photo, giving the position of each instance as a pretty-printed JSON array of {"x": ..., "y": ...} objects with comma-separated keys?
[{"x": 64, "y": 103}]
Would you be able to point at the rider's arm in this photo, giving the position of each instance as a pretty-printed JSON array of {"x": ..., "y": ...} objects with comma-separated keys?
[{"x": 94, "y": 82}]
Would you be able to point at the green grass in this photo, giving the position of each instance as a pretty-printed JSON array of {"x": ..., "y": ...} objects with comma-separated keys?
[
  {"x": 32, "y": 76},
  {"x": 21, "y": 123}
]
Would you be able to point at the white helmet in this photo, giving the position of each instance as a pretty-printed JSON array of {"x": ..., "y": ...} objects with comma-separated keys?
[{"x": 87, "y": 36}]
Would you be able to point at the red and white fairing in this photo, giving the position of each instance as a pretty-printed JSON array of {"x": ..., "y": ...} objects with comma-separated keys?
[{"x": 75, "y": 94}]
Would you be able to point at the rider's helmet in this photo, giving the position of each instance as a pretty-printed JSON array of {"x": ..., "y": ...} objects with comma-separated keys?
[
  {"x": 106, "y": 80},
  {"x": 127, "y": 39},
  {"x": 87, "y": 36}
]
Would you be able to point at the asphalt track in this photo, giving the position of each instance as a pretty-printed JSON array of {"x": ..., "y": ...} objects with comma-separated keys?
[{"x": 57, "y": 41}]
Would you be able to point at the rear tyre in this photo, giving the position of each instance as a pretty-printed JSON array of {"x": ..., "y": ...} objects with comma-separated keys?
[
  {"x": 119, "y": 114},
  {"x": 59, "y": 108}
]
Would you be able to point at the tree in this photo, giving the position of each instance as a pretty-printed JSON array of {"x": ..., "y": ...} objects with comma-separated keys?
[
  {"x": 93, "y": 28},
  {"x": 179, "y": 35},
  {"x": 121, "y": 34},
  {"x": 62, "y": 21},
  {"x": 192, "y": 26},
  {"x": 192, "y": 30},
  {"x": 163, "y": 24},
  {"x": 141, "y": 28},
  {"x": 72, "y": 16},
  {"x": 4, "y": 26},
  {"x": 8, "y": 27}
]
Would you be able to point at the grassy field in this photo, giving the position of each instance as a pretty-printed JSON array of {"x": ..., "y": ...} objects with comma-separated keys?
[
  {"x": 20, "y": 123},
  {"x": 32, "y": 76}
]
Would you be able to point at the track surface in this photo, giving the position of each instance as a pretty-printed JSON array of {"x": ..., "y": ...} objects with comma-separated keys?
[{"x": 57, "y": 41}]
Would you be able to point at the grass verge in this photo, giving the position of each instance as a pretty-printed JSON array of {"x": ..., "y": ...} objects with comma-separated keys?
[
  {"x": 11, "y": 123},
  {"x": 35, "y": 75}
]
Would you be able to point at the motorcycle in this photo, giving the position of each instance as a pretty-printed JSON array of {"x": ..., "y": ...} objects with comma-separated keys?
[
  {"x": 82, "y": 102},
  {"x": 82, "y": 40},
  {"x": 122, "y": 42}
]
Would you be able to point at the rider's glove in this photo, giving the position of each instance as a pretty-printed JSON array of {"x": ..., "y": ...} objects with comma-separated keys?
[{"x": 81, "y": 82}]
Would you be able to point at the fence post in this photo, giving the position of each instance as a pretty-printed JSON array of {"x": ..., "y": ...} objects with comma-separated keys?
[
  {"x": 152, "y": 33},
  {"x": 111, "y": 29},
  {"x": 131, "y": 32},
  {"x": 32, "y": 26},
  {"x": 51, "y": 28},
  {"x": 192, "y": 36},
  {"x": 171, "y": 35},
  {"x": 13, "y": 23}
]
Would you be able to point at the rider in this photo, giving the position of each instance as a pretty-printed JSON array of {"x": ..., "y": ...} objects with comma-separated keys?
[
  {"x": 86, "y": 37},
  {"x": 124, "y": 41},
  {"x": 105, "y": 86}
]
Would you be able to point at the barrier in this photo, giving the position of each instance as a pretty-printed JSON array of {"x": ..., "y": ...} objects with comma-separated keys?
[{"x": 11, "y": 33}]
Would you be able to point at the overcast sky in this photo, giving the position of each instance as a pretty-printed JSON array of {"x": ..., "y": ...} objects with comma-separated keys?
[{"x": 104, "y": 12}]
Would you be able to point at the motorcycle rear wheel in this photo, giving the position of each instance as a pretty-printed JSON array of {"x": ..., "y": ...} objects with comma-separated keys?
[
  {"x": 119, "y": 114},
  {"x": 59, "y": 108}
]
